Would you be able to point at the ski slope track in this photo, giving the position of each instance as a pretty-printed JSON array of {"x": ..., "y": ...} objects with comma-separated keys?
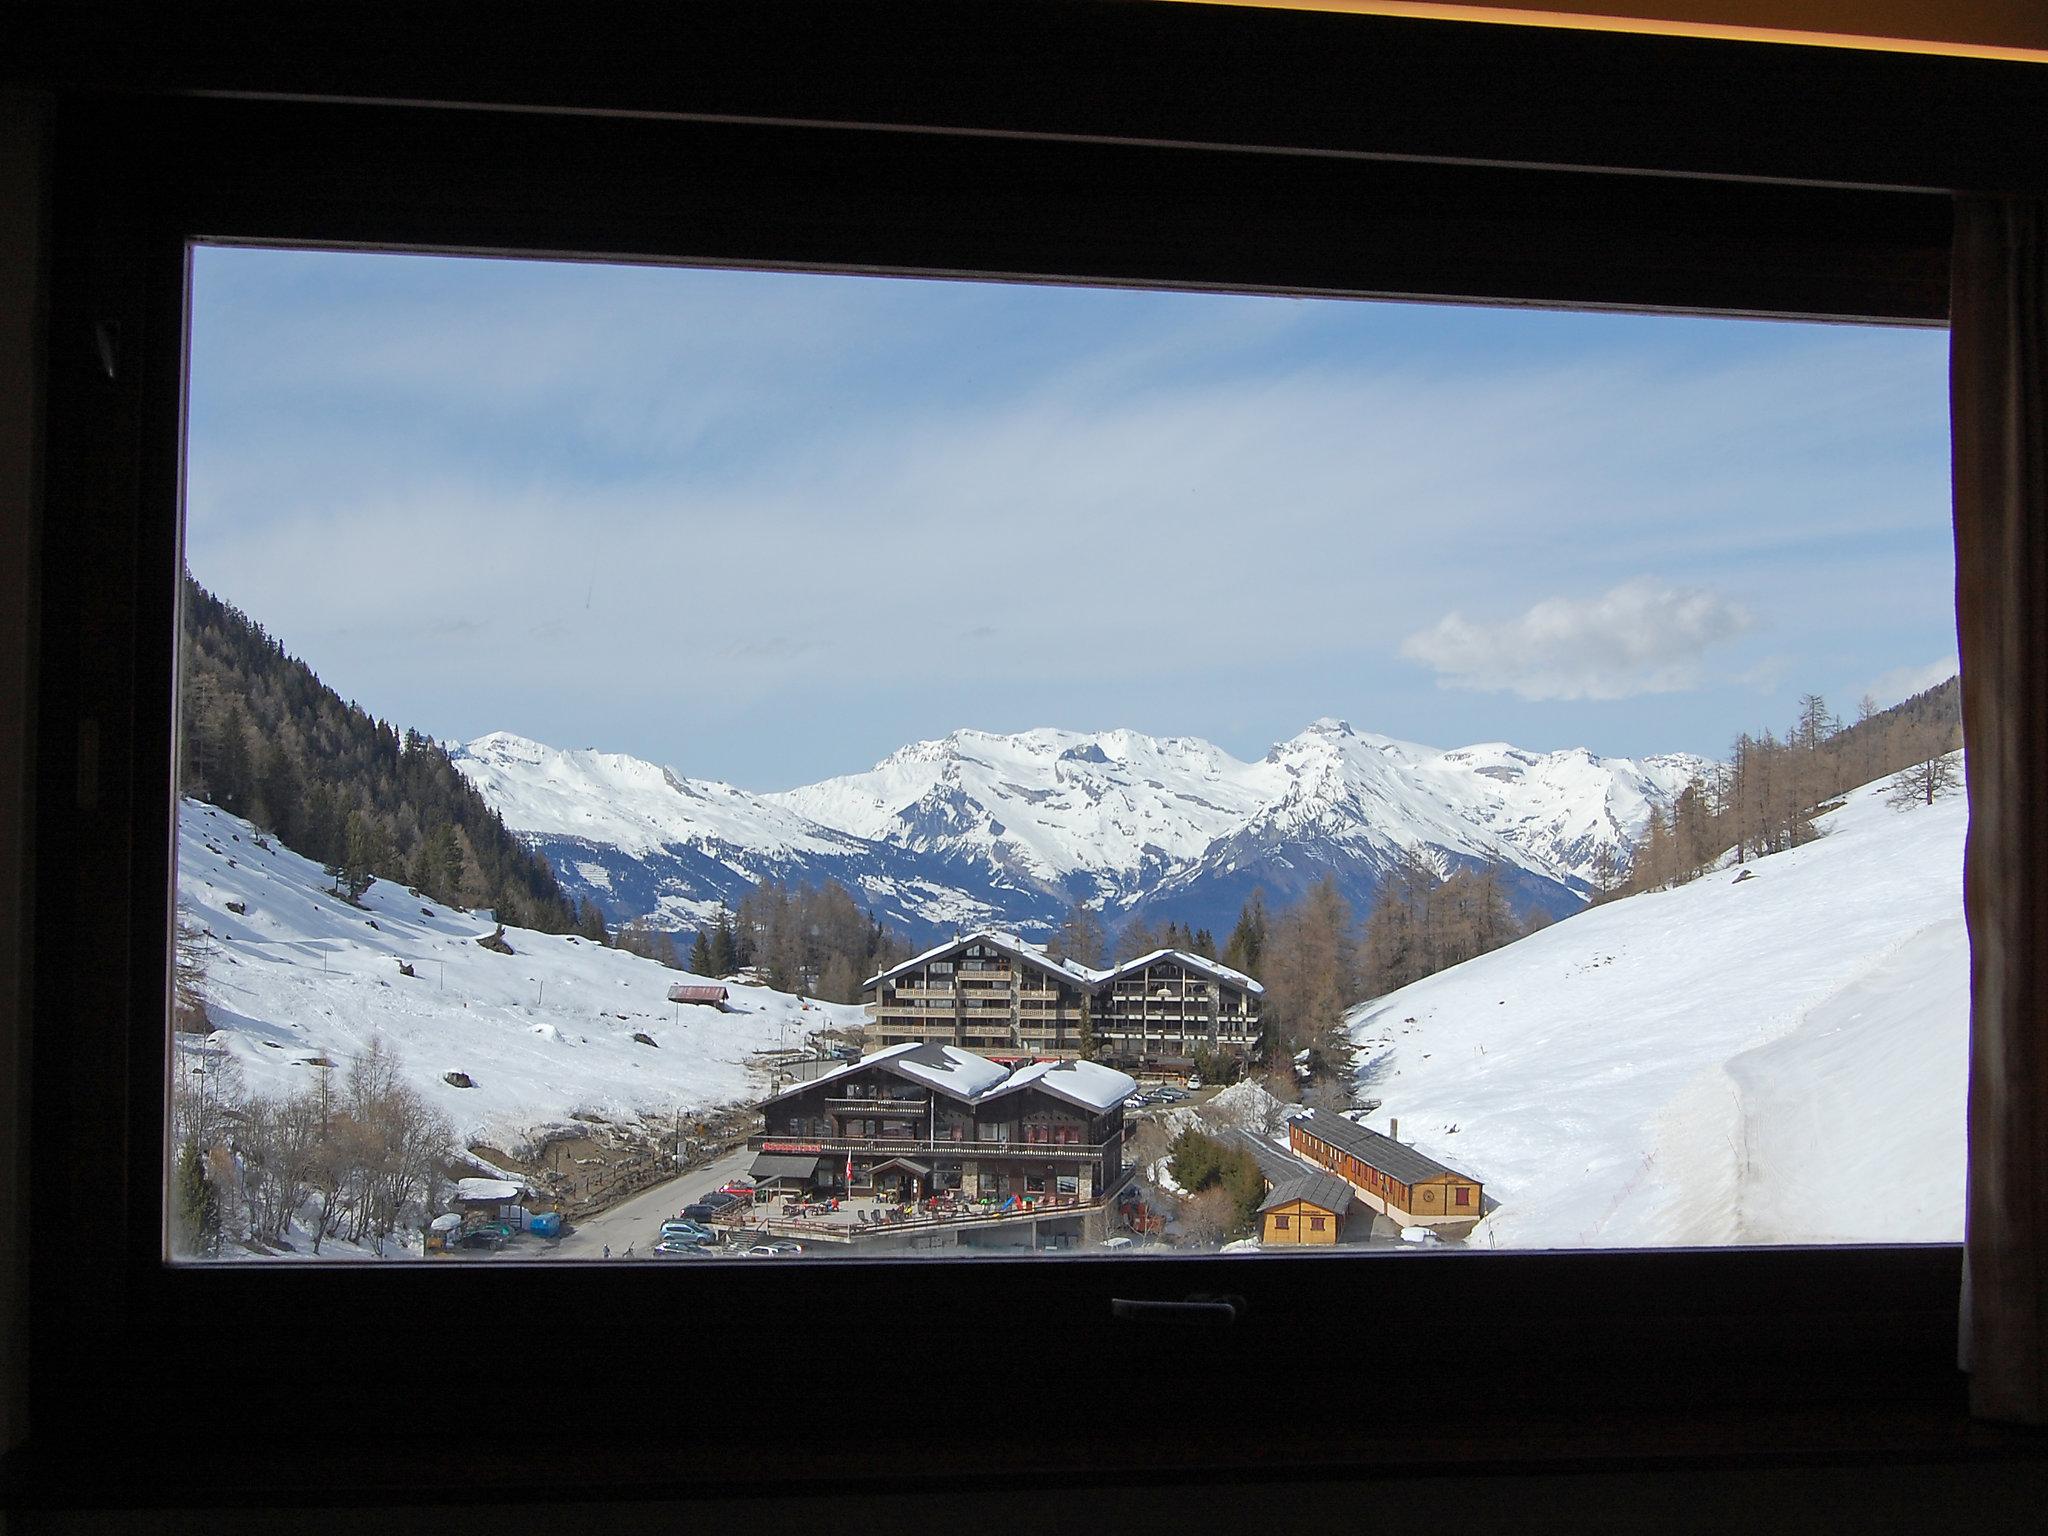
[
  {"x": 546, "y": 1033},
  {"x": 1774, "y": 1053},
  {"x": 977, "y": 828}
]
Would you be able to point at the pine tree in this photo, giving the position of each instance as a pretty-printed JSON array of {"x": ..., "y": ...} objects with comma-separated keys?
[
  {"x": 1247, "y": 943},
  {"x": 281, "y": 793},
  {"x": 197, "y": 1210},
  {"x": 365, "y": 849},
  {"x": 724, "y": 948},
  {"x": 590, "y": 922},
  {"x": 700, "y": 956}
]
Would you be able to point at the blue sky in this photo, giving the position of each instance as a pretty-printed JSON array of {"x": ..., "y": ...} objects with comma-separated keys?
[{"x": 767, "y": 527}]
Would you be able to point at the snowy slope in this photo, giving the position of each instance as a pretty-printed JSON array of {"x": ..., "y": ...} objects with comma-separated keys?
[
  {"x": 544, "y": 1033},
  {"x": 979, "y": 827},
  {"x": 1773, "y": 1053}
]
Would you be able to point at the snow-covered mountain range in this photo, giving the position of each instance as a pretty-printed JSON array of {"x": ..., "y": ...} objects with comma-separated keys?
[{"x": 978, "y": 827}]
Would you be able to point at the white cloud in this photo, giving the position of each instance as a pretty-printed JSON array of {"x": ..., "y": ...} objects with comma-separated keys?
[
  {"x": 1903, "y": 682},
  {"x": 1644, "y": 636}
]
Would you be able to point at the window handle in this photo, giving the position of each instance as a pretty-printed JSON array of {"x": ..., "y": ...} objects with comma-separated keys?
[{"x": 1196, "y": 1309}]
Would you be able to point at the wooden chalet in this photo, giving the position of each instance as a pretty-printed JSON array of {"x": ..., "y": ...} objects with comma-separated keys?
[
  {"x": 1303, "y": 1205},
  {"x": 1392, "y": 1178},
  {"x": 491, "y": 1202},
  {"x": 916, "y": 1120},
  {"x": 699, "y": 994},
  {"x": 995, "y": 993}
]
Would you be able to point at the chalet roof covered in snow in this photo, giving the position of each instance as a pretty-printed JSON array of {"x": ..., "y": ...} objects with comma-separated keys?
[
  {"x": 1084, "y": 1084},
  {"x": 486, "y": 1189},
  {"x": 950, "y": 1070},
  {"x": 1391, "y": 1157},
  {"x": 1205, "y": 966},
  {"x": 1006, "y": 943},
  {"x": 970, "y": 1078},
  {"x": 888, "y": 1053},
  {"x": 1067, "y": 970}
]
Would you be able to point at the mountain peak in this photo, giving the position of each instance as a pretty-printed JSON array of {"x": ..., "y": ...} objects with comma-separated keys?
[{"x": 981, "y": 826}]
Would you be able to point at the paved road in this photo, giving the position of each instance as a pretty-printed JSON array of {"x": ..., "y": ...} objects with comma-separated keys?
[{"x": 636, "y": 1223}]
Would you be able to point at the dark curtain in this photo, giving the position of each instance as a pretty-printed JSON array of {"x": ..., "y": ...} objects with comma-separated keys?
[{"x": 1998, "y": 399}]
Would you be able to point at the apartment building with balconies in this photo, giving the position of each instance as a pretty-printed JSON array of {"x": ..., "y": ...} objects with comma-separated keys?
[{"x": 999, "y": 995}]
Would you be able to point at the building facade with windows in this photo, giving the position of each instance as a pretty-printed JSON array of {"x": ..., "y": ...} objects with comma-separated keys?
[
  {"x": 1163, "y": 1008},
  {"x": 1389, "y": 1176},
  {"x": 1304, "y": 1206},
  {"x": 995, "y": 993},
  {"x": 917, "y": 1120}
]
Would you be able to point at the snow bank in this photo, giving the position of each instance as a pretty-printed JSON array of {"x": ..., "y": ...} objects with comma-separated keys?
[{"x": 1247, "y": 1106}]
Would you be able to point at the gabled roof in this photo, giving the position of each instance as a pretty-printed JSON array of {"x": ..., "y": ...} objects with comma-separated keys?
[
  {"x": 1324, "y": 1191},
  {"x": 1207, "y": 967},
  {"x": 488, "y": 1189},
  {"x": 1292, "y": 1179},
  {"x": 1068, "y": 970},
  {"x": 1007, "y": 943},
  {"x": 687, "y": 992},
  {"x": 1391, "y": 1157},
  {"x": 1084, "y": 1084},
  {"x": 888, "y": 1053},
  {"x": 970, "y": 1078},
  {"x": 958, "y": 1074}
]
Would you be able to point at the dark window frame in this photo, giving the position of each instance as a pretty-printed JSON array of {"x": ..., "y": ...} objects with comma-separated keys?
[{"x": 1126, "y": 153}]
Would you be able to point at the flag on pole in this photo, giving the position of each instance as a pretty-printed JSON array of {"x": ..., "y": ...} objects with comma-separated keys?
[{"x": 849, "y": 1170}]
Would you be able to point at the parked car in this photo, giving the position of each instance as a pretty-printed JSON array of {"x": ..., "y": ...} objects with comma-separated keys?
[
  {"x": 1135, "y": 1101},
  {"x": 669, "y": 1250},
  {"x": 687, "y": 1232},
  {"x": 1194, "y": 1082},
  {"x": 714, "y": 1204},
  {"x": 739, "y": 1189},
  {"x": 780, "y": 1249}
]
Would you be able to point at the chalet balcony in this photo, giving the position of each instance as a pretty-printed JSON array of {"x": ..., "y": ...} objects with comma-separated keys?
[
  {"x": 860, "y": 1106},
  {"x": 943, "y": 1148}
]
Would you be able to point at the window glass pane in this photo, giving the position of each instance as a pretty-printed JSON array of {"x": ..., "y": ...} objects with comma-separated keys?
[{"x": 649, "y": 735}]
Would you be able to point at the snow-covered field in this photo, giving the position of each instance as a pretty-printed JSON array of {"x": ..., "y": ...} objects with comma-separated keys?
[
  {"x": 544, "y": 1033},
  {"x": 1775, "y": 1053}
]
